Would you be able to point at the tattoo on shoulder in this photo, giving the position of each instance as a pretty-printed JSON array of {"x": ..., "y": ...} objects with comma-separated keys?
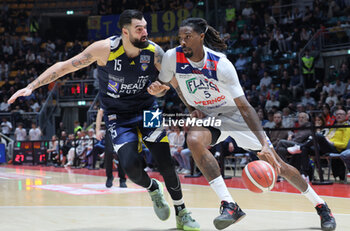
[
  {"x": 159, "y": 54},
  {"x": 82, "y": 62}
]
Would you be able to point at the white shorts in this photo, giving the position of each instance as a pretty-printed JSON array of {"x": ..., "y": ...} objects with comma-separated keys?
[{"x": 234, "y": 125}]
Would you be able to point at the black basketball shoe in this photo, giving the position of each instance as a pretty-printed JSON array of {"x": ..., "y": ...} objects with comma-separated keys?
[
  {"x": 109, "y": 182},
  {"x": 230, "y": 213},
  {"x": 327, "y": 220}
]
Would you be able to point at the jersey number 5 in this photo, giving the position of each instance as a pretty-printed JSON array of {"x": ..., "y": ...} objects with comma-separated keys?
[
  {"x": 117, "y": 65},
  {"x": 207, "y": 94}
]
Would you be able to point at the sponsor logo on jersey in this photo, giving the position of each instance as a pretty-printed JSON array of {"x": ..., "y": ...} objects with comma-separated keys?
[
  {"x": 145, "y": 58},
  {"x": 210, "y": 101},
  {"x": 210, "y": 65},
  {"x": 113, "y": 86},
  {"x": 144, "y": 66},
  {"x": 195, "y": 84},
  {"x": 112, "y": 117},
  {"x": 184, "y": 66}
]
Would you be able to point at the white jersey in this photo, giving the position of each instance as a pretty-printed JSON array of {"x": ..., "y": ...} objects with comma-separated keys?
[{"x": 209, "y": 85}]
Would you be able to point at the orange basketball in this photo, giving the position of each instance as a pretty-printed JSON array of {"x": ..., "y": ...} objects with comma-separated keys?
[{"x": 259, "y": 176}]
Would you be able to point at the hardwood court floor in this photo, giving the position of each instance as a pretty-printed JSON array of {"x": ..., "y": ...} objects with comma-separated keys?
[{"x": 47, "y": 198}]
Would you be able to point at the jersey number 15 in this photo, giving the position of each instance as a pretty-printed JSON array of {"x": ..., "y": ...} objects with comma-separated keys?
[{"x": 117, "y": 65}]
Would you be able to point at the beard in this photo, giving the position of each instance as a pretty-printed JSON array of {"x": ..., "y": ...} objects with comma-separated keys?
[
  {"x": 188, "y": 55},
  {"x": 138, "y": 43},
  {"x": 189, "y": 52}
]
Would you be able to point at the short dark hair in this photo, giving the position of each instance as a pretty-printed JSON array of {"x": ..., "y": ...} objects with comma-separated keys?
[{"x": 126, "y": 17}]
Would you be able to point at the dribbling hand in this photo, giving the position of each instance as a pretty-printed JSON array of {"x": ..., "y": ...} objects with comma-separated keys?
[
  {"x": 156, "y": 88},
  {"x": 22, "y": 92},
  {"x": 268, "y": 155}
]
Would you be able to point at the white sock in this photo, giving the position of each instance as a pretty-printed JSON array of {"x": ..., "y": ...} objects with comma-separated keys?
[
  {"x": 150, "y": 185},
  {"x": 219, "y": 186},
  {"x": 179, "y": 202},
  {"x": 312, "y": 196}
]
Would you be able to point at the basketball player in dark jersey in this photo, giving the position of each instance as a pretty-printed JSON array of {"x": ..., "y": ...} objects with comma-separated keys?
[
  {"x": 109, "y": 151},
  {"x": 127, "y": 65}
]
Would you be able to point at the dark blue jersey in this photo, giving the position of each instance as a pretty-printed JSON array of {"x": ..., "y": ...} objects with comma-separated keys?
[{"x": 124, "y": 81}]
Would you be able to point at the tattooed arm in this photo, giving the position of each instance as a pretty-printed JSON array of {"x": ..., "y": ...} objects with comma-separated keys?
[
  {"x": 98, "y": 51},
  {"x": 158, "y": 56}
]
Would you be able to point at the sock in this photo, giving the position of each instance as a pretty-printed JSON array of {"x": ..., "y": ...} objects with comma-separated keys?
[
  {"x": 179, "y": 205},
  {"x": 152, "y": 186},
  {"x": 219, "y": 186},
  {"x": 312, "y": 196}
]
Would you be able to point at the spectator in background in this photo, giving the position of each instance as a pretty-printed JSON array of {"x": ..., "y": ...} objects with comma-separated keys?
[
  {"x": 332, "y": 97},
  {"x": 305, "y": 36},
  {"x": 284, "y": 95},
  {"x": 329, "y": 117},
  {"x": 247, "y": 11},
  {"x": 277, "y": 135},
  {"x": 7, "y": 48},
  {"x": 4, "y": 70},
  {"x": 52, "y": 151},
  {"x": 20, "y": 133},
  {"x": 50, "y": 47},
  {"x": 296, "y": 84},
  {"x": 269, "y": 20},
  {"x": 77, "y": 127},
  {"x": 308, "y": 63},
  {"x": 186, "y": 152},
  {"x": 6, "y": 127},
  {"x": 295, "y": 138},
  {"x": 245, "y": 81},
  {"x": 4, "y": 106},
  {"x": 35, "y": 132},
  {"x": 266, "y": 80},
  {"x": 240, "y": 64},
  {"x": 278, "y": 36},
  {"x": 34, "y": 105},
  {"x": 270, "y": 123},
  {"x": 344, "y": 73},
  {"x": 307, "y": 99},
  {"x": 30, "y": 57},
  {"x": 335, "y": 141},
  {"x": 176, "y": 142},
  {"x": 272, "y": 102},
  {"x": 338, "y": 87}
]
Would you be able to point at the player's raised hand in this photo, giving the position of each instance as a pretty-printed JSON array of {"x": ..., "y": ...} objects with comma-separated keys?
[
  {"x": 22, "y": 92},
  {"x": 197, "y": 114},
  {"x": 156, "y": 88},
  {"x": 268, "y": 155}
]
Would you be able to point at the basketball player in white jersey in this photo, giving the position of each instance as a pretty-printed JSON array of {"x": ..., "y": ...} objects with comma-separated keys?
[{"x": 207, "y": 83}]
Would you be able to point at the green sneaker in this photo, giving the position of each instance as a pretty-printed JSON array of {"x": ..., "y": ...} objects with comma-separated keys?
[
  {"x": 160, "y": 206},
  {"x": 184, "y": 221}
]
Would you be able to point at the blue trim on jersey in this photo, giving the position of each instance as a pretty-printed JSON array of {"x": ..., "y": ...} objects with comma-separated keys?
[{"x": 185, "y": 67}]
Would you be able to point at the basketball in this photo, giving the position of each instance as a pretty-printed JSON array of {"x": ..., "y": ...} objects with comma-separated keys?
[{"x": 259, "y": 176}]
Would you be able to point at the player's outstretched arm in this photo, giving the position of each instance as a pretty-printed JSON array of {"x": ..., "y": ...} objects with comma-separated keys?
[
  {"x": 97, "y": 51},
  {"x": 251, "y": 118}
]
